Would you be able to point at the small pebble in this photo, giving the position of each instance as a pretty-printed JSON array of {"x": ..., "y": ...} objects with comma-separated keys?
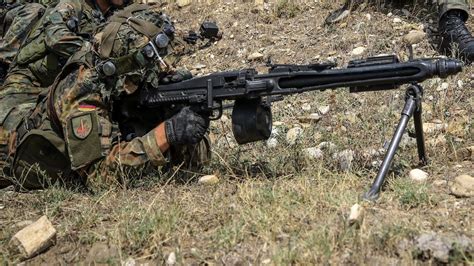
[{"x": 418, "y": 175}]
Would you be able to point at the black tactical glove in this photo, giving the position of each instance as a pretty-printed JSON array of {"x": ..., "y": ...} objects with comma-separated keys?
[{"x": 186, "y": 127}]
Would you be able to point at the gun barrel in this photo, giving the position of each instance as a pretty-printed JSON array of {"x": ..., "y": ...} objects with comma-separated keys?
[{"x": 366, "y": 78}]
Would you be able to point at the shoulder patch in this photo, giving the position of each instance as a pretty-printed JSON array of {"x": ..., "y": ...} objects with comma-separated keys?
[{"x": 82, "y": 126}]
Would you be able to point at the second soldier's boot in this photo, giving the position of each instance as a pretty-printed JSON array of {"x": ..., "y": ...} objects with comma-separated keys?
[{"x": 456, "y": 38}]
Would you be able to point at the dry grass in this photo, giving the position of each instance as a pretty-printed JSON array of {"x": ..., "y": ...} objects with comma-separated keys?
[{"x": 274, "y": 205}]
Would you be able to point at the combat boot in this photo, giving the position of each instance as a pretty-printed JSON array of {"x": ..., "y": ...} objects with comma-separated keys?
[{"x": 456, "y": 38}]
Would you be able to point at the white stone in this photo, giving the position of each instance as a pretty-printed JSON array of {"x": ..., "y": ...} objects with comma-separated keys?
[
  {"x": 306, "y": 107},
  {"x": 440, "y": 183},
  {"x": 368, "y": 16},
  {"x": 358, "y": 51},
  {"x": 444, "y": 86},
  {"x": 397, "y": 20},
  {"x": 313, "y": 153},
  {"x": 183, "y": 3},
  {"x": 313, "y": 117},
  {"x": 277, "y": 123},
  {"x": 255, "y": 56},
  {"x": 460, "y": 84},
  {"x": 199, "y": 66},
  {"x": 418, "y": 175},
  {"x": 34, "y": 238},
  {"x": 293, "y": 134},
  {"x": 431, "y": 128},
  {"x": 323, "y": 109},
  {"x": 356, "y": 215},
  {"x": 130, "y": 262},
  {"x": 272, "y": 143},
  {"x": 171, "y": 260},
  {"x": 208, "y": 180}
]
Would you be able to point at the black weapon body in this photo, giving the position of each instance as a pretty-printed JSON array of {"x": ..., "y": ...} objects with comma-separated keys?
[{"x": 253, "y": 92}]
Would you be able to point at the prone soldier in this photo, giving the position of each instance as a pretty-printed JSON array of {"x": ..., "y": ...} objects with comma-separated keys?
[
  {"x": 61, "y": 32},
  {"x": 77, "y": 123}
]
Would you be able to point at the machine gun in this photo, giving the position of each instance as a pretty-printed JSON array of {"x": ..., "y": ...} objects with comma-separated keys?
[{"x": 252, "y": 94}]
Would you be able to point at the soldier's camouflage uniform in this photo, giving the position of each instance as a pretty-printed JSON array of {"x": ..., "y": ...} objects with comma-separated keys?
[
  {"x": 45, "y": 50},
  {"x": 18, "y": 17},
  {"x": 446, "y": 5},
  {"x": 75, "y": 127}
]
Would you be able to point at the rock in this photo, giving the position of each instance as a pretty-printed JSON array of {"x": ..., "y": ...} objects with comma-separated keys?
[
  {"x": 129, "y": 262},
  {"x": 255, "y": 56},
  {"x": 199, "y": 66},
  {"x": 439, "y": 247},
  {"x": 313, "y": 153},
  {"x": 356, "y": 215},
  {"x": 444, "y": 86},
  {"x": 440, "y": 183},
  {"x": 345, "y": 159},
  {"x": 171, "y": 260},
  {"x": 34, "y": 238},
  {"x": 358, "y": 51},
  {"x": 293, "y": 134},
  {"x": 323, "y": 109},
  {"x": 208, "y": 180},
  {"x": 460, "y": 84},
  {"x": 277, "y": 123},
  {"x": 328, "y": 146},
  {"x": 431, "y": 128},
  {"x": 306, "y": 107},
  {"x": 272, "y": 143},
  {"x": 183, "y": 3},
  {"x": 266, "y": 261},
  {"x": 397, "y": 20},
  {"x": 260, "y": 4},
  {"x": 314, "y": 117},
  {"x": 418, "y": 175},
  {"x": 414, "y": 37},
  {"x": 462, "y": 186},
  {"x": 22, "y": 224}
]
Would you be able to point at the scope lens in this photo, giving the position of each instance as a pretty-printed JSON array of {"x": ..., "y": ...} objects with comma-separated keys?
[
  {"x": 108, "y": 68},
  {"x": 162, "y": 40},
  {"x": 148, "y": 51}
]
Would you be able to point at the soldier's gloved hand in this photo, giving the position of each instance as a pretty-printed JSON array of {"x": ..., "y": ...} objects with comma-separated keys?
[
  {"x": 186, "y": 127},
  {"x": 176, "y": 76}
]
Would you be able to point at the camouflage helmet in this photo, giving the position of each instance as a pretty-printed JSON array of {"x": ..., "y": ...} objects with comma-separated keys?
[{"x": 130, "y": 31}]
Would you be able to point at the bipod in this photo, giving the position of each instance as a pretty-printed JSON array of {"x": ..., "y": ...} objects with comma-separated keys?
[{"x": 413, "y": 108}]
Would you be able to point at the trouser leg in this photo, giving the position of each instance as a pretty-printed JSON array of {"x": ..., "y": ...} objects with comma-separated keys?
[{"x": 447, "y": 5}]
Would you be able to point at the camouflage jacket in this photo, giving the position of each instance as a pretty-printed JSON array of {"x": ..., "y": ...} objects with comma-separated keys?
[{"x": 60, "y": 32}]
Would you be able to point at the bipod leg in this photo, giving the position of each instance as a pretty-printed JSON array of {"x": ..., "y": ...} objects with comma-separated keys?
[
  {"x": 420, "y": 139},
  {"x": 412, "y": 103}
]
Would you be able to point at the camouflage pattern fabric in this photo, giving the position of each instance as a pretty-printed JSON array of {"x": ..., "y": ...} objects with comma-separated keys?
[
  {"x": 50, "y": 43},
  {"x": 47, "y": 47},
  {"x": 89, "y": 138},
  {"x": 16, "y": 24},
  {"x": 446, "y": 5}
]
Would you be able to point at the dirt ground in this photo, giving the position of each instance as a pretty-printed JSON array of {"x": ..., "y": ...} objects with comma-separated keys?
[{"x": 275, "y": 204}]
